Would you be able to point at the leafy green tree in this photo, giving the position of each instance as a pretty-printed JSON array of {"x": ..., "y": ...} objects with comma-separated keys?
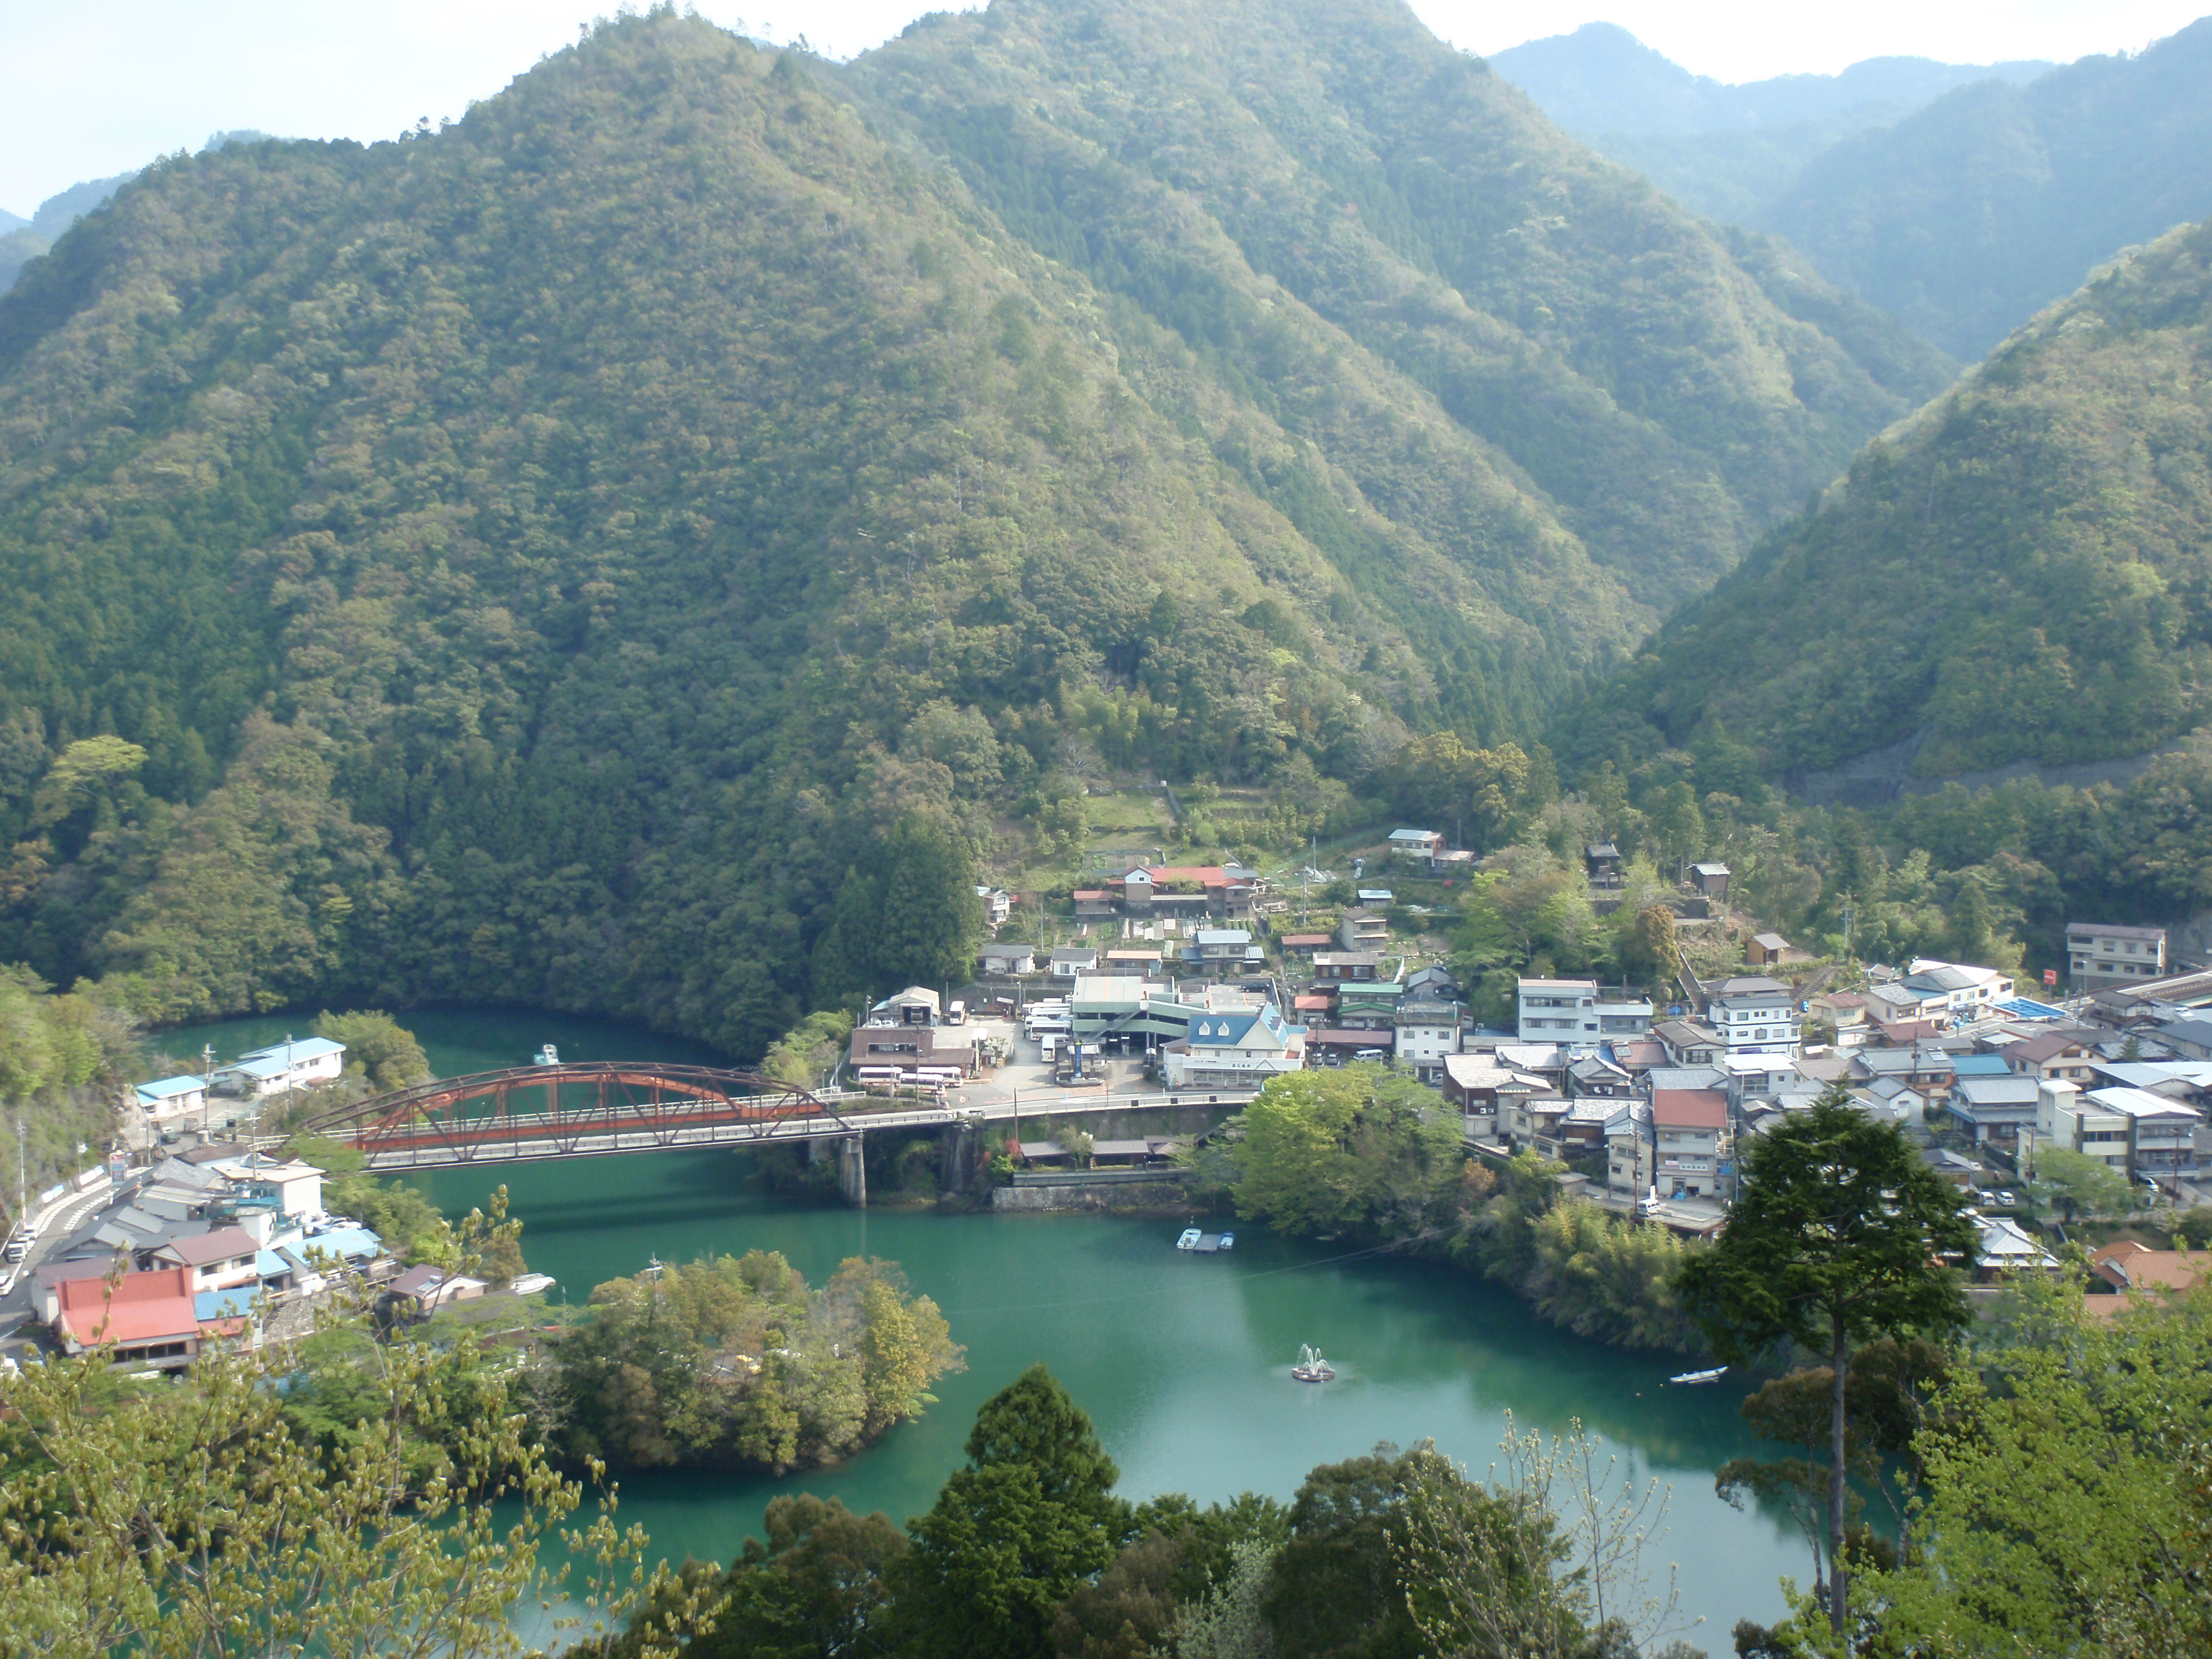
[
  {"x": 1546, "y": 1558},
  {"x": 2069, "y": 1506},
  {"x": 1013, "y": 1531},
  {"x": 818, "y": 1588},
  {"x": 1834, "y": 1240},
  {"x": 806, "y": 1054},
  {"x": 195, "y": 1523},
  {"x": 2072, "y": 1181},
  {"x": 383, "y": 1051},
  {"x": 1650, "y": 951},
  {"x": 1336, "y": 1592},
  {"x": 1350, "y": 1148}
]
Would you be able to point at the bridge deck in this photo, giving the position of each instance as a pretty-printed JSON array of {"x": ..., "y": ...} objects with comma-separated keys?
[{"x": 515, "y": 1140}]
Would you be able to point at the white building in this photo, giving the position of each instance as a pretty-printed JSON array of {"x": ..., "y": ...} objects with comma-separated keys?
[
  {"x": 1754, "y": 1016},
  {"x": 299, "y": 1063},
  {"x": 1238, "y": 1050},
  {"x": 171, "y": 1094},
  {"x": 2102, "y": 954},
  {"x": 1423, "y": 845},
  {"x": 1428, "y": 1034},
  {"x": 1579, "y": 1012}
]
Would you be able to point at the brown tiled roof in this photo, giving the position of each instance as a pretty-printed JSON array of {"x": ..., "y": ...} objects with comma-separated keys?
[{"x": 1688, "y": 1109}]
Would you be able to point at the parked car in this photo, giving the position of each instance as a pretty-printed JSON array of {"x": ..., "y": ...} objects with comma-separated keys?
[{"x": 2007, "y": 1200}]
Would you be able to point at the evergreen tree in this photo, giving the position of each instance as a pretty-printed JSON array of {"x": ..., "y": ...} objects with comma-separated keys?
[
  {"x": 931, "y": 918},
  {"x": 1834, "y": 1240},
  {"x": 1014, "y": 1532}
]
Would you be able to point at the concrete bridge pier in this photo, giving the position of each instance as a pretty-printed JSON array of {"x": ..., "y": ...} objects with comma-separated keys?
[
  {"x": 956, "y": 1141},
  {"x": 853, "y": 1171}
]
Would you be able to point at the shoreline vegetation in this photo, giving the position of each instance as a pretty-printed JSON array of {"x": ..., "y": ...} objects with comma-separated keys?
[
  {"x": 1360, "y": 1152},
  {"x": 735, "y": 1361}
]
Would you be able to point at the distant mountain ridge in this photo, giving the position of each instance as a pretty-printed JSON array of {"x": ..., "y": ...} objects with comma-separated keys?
[
  {"x": 2022, "y": 571},
  {"x": 1967, "y": 217},
  {"x": 1601, "y": 79}
]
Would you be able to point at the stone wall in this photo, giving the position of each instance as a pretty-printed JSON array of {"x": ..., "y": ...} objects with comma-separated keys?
[{"x": 1165, "y": 1195}]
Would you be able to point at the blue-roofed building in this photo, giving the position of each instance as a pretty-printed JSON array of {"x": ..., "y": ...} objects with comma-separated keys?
[
  {"x": 301, "y": 1063},
  {"x": 210, "y": 1306},
  {"x": 168, "y": 1096},
  {"x": 1238, "y": 1048}
]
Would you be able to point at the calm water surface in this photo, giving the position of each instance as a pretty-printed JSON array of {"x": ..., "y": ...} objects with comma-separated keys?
[{"x": 1183, "y": 1361}]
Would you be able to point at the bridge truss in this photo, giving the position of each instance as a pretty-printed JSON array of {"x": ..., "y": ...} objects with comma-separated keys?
[{"x": 528, "y": 1113}]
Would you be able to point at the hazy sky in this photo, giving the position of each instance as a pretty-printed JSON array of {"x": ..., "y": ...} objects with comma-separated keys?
[{"x": 97, "y": 90}]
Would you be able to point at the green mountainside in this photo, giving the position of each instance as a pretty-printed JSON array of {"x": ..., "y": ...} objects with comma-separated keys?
[
  {"x": 2022, "y": 571},
  {"x": 1328, "y": 203},
  {"x": 1723, "y": 149},
  {"x": 1966, "y": 218},
  {"x": 532, "y": 563}
]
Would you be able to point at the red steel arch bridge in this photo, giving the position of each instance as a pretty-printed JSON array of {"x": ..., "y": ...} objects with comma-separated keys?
[{"x": 526, "y": 1113}]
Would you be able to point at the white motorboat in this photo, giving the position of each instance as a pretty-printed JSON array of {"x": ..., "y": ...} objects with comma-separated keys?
[
  {"x": 1312, "y": 1368},
  {"x": 530, "y": 1283},
  {"x": 1692, "y": 1378},
  {"x": 1189, "y": 1239}
]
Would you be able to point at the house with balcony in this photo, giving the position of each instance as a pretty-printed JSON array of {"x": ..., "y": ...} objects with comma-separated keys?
[
  {"x": 1998, "y": 1111},
  {"x": 2066, "y": 1117},
  {"x": 2100, "y": 955},
  {"x": 1689, "y": 1128},
  {"x": 1427, "y": 1033},
  {"x": 1579, "y": 1012},
  {"x": 1754, "y": 1016},
  {"x": 1417, "y": 845},
  {"x": 2161, "y": 1133},
  {"x": 2064, "y": 1055},
  {"x": 1485, "y": 1093},
  {"x": 1631, "y": 1148}
]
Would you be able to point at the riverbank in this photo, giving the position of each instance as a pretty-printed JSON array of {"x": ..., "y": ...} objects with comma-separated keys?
[{"x": 1183, "y": 1361}]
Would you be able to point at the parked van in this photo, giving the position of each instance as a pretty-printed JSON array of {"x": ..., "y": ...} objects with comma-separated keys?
[
  {"x": 956, "y": 1012},
  {"x": 1050, "y": 1042}
]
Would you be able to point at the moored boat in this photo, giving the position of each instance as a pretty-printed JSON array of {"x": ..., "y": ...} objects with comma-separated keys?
[
  {"x": 530, "y": 1283},
  {"x": 1189, "y": 1240},
  {"x": 1688, "y": 1377}
]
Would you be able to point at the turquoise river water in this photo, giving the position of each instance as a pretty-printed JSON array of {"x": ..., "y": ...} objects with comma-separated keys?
[{"x": 1183, "y": 1361}]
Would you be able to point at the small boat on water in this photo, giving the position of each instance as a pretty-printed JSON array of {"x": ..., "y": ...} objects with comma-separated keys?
[
  {"x": 1189, "y": 1240},
  {"x": 547, "y": 1055},
  {"x": 530, "y": 1283},
  {"x": 1312, "y": 1368},
  {"x": 1205, "y": 1244},
  {"x": 1691, "y": 1377}
]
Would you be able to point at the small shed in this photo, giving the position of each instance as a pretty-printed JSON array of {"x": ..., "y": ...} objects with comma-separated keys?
[
  {"x": 1765, "y": 949},
  {"x": 1710, "y": 879}
]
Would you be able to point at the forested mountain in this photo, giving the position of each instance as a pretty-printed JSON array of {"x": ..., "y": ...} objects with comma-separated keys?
[
  {"x": 1966, "y": 218},
  {"x": 1723, "y": 149},
  {"x": 1327, "y": 202},
  {"x": 533, "y": 562},
  {"x": 2023, "y": 570}
]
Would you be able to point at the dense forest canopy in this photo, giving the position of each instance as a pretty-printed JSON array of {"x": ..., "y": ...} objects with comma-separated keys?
[
  {"x": 2023, "y": 571},
  {"x": 538, "y": 562},
  {"x": 1970, "y": 215}
]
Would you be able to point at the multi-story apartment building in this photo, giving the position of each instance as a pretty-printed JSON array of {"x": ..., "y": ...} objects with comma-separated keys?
[
  {"x": 1580, "y": 1012},
  {"x": 2100, "y": 954}
]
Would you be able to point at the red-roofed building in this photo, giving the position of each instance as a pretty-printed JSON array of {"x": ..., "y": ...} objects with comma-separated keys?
[
  {"x": 147, "y": 1317},
  {"x": 1305, "y": 945},
  {"x": 1689, "y": 1126}
]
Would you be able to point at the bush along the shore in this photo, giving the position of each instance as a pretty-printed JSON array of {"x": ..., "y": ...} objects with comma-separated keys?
[
  {"x": 735, "y": 1361},
  {"x": 1360, "y": 1153}
]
